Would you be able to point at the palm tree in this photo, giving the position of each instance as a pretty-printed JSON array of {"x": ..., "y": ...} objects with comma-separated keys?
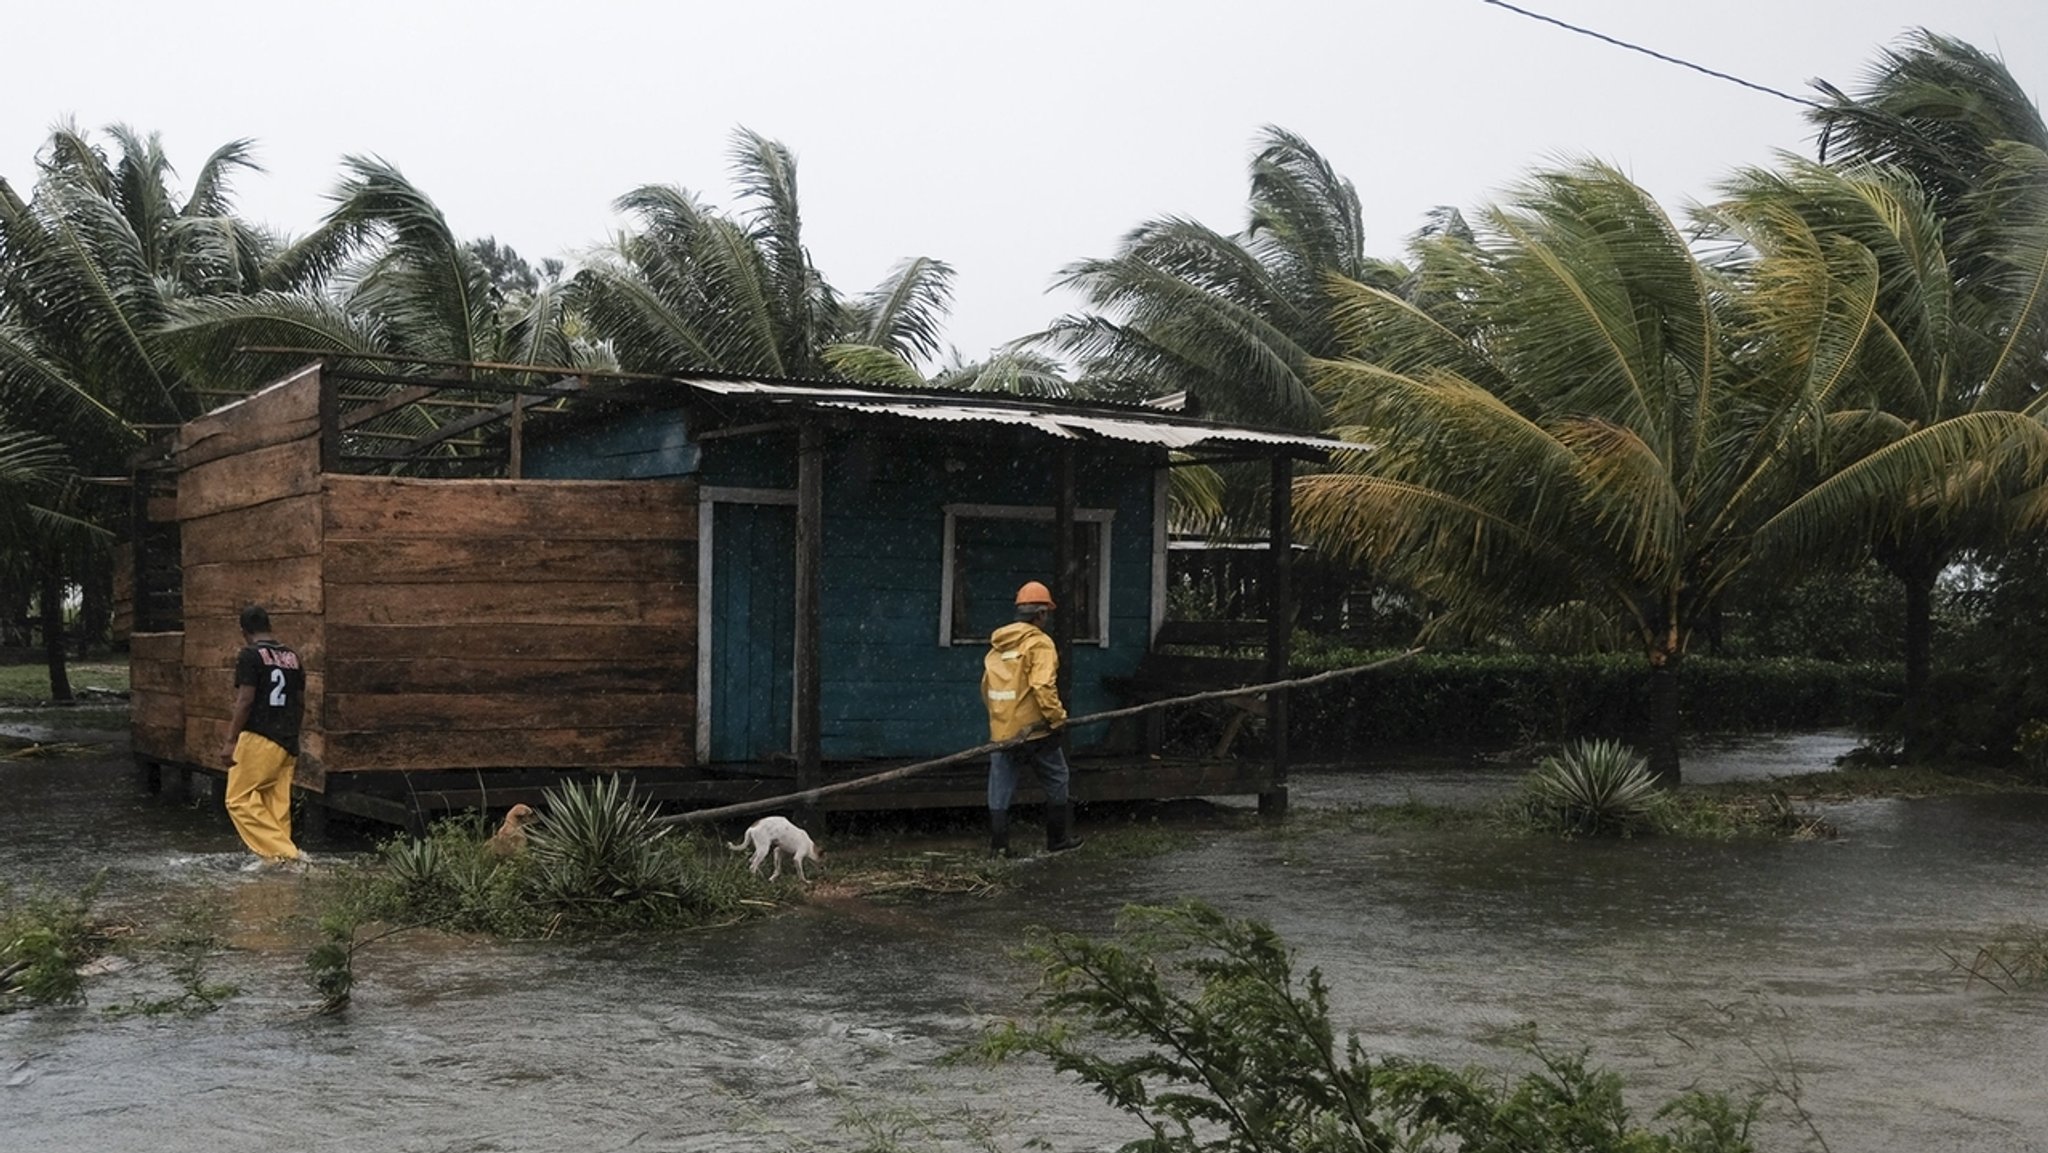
[
  {"x": 1971, "y": 250},
  {"x": 1936, "y": 108},
  {"x": 384, "y": 274},
  {"x": 694, "y": 288},
  {"x": 90, "y": 265},
  {"x": 1938, "y": 345},
  {"x": 1234, "y": 318},
  {"x": 1570, "y": 410},
  {"x": 1015, "y": 368}
]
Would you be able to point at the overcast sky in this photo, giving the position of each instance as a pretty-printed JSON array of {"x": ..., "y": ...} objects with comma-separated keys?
[{"x": 1007, "y": 140}]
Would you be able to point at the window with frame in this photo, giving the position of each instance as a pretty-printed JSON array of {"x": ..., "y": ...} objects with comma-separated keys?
[{"x": 990, "y": 550}]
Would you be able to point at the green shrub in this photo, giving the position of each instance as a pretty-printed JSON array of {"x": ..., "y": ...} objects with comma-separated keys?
[
  {"x": 1593, "y": 787},
  {"x": 595, "y": 858},
  {"x": 2032, "y": 746},
  {"x": 331, "y": 966},
  {"x": 1195, "y": 1025},
  {"x": 446, "y": 878},
  {"x": 43, "y": 940},
  {"x": 1537, "y": 698}
]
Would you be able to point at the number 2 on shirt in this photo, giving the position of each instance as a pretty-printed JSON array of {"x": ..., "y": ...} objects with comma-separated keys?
[{"x": 277, "y": 688}]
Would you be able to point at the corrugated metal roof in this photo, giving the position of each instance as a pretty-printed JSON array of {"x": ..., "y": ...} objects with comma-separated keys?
[{"x": 1068, "y": 420}]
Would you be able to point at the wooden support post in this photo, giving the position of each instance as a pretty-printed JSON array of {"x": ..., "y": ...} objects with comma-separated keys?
[
  {"x": 1279, "y": 629},
  {"x": 810, "y": 521},
  {"x": 514, "y": 456},
  {"x": 1063, "y": 582},
  {"x": 310, "y": 825},
  {"x": 330, "y": 419},
  {"x": 140, "y": 618}
]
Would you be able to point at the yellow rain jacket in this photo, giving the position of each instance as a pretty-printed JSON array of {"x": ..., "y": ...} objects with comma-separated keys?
[{"x": 1017, "y": 682}]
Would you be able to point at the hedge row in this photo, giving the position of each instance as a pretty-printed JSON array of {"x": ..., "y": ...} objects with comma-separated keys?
[{"x": 1433, "y": 697}]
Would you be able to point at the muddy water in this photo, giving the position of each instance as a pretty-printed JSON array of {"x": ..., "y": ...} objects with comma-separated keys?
[{"x": 1814, "y": 967}]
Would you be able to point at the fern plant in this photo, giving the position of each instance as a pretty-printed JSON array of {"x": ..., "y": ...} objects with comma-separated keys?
[{"x": 1592, "y": 787}]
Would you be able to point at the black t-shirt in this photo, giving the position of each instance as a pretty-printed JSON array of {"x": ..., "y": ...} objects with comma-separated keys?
[{"x": 280, "y": 684}]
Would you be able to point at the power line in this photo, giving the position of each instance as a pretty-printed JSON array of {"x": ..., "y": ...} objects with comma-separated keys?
[{"x": 1654, "y": 54}]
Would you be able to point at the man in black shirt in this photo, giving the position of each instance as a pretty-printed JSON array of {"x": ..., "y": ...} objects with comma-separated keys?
[{"x": 262, "y": 746}]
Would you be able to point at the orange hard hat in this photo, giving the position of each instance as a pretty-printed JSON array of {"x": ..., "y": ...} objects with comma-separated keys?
[{"x": 1034, "y": 593}]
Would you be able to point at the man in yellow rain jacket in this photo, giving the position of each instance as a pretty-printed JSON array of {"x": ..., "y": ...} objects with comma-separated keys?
[{"x": 1020, "y": 688}]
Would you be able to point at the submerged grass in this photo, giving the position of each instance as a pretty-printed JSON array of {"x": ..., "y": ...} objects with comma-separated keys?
[
  {"x": 1408, "y": 815},
  {"x": 1894, "y": 781},
  {"x": 970, "y": 873},
  {"x": 29, "y": 684},
  {"x": 2015, "y": 959},
  {"x": 188, "y": 947},
  {"x": 51, "y": 943},
  {"x": 1708, "y": 816}
]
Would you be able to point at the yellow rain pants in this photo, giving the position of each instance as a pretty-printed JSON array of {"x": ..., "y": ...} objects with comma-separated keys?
[{"x": 260, "y": 797}]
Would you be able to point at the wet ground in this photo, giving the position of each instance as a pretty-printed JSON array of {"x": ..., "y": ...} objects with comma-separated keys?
[{"x": 1816, "y": 967}]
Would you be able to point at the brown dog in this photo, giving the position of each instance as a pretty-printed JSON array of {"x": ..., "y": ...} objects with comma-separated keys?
[{"x": 510, "y": 839}]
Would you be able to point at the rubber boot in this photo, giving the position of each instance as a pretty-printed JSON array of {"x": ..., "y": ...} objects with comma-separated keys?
[
  {"x": 1059, "y": 828},
  {"x": 999, "y": 832}
]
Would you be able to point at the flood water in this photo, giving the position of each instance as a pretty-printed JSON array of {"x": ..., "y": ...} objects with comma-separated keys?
[{"x": 1815, "y": 966}]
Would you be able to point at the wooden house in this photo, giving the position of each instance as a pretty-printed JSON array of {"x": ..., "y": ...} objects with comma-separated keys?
[{"x": 726, "y": 587}]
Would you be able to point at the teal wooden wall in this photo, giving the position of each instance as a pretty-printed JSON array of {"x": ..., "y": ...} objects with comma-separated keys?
[
  {"x": 648, "y": 445},
  {"x": 890, "y": 688},
  {"x": 753, "y": 651}
]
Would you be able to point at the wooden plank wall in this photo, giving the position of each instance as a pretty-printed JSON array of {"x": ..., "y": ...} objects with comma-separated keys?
[
  {"x": 508, "y": 624},
  {"x": 156, "y": 695},
  {"x": 249, "y": 517}
]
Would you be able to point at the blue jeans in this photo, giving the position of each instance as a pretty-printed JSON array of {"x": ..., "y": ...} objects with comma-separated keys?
[{"x": 1045, "y": 757}]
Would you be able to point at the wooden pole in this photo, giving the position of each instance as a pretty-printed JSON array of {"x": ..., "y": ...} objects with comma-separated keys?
[
  {"x": 141, "y": 618},
  {"x": 330, "y": 419},
  {"x": 1279, "y": 629},
  {"x": 812, "y": 796},
  {"x": 515, "y": 455},
  {"x": 1063, "y": 566},
  {"x": 810, "y": 499}
]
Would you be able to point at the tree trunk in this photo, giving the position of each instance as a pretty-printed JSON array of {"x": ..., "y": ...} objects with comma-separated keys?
[
  {"x": 1664, "y": 718},
  {"x": 18, "y": 627},
  {"x": 96, "y": 602},
  {"x": 52, "y": 598},
  {"x": 1917, "y": 571},
  {"x": 1919, "y": 661}
]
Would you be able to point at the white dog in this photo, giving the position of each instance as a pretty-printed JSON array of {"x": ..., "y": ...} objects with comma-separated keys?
[{"x": 776, "y": 836}]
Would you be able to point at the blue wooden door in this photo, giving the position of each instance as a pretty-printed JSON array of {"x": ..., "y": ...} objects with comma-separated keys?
[{"x": 753, "y": 629}]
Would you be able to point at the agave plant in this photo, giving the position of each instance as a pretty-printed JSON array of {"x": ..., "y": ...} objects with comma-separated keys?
[
  {"x": 1592, "y": 787},
  {"x": 598, "y": 841},
  {"x": 419, "y": 867}
]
